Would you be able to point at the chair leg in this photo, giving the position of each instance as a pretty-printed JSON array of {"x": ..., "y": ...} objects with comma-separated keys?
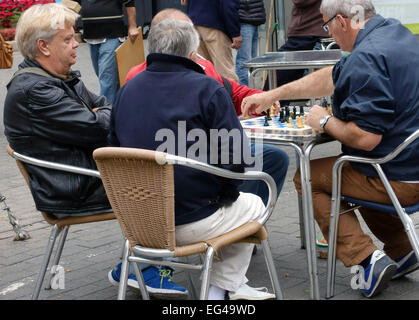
[
  {"x": 55, "y": 231},
  {"x": 331, "y": 255},
  {"x": 206, "y": 274},
  {"x": 301, "y": 218},
  {"x": 58, "y": 253},
  {"x": 272, "y": 271},
  {"x": 124, "y": 272},
  {"x": 141, "y": 282},
  {"x": 410, "y": 229}
]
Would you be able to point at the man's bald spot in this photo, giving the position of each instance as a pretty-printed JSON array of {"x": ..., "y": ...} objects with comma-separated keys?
[{"x": 169, "y": 14}]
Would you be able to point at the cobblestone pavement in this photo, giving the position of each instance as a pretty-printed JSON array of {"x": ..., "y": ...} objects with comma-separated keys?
[{"x": 91, "y": 251}]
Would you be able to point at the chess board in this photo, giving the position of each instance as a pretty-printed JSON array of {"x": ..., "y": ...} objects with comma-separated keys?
[{"x": 255, "y": 128}]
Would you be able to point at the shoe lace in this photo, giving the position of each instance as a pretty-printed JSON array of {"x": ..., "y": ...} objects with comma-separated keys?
[{"x": 164, "y": 273}]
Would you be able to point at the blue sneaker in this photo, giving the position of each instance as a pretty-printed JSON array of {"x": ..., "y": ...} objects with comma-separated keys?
[
  {"x": 158, "y": 282},
  {"x": 377, "y": 274},
  {"x": 406, "y": 264}
]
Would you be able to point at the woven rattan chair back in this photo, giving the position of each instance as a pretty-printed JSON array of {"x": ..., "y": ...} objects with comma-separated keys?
[{"x": 141, "y": 193}]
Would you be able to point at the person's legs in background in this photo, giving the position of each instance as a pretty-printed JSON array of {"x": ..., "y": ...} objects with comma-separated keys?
[
  {"x": 247, "y": 51},
  {"x": 215, "y": 46},
  {"x": 104, "y": 64}
]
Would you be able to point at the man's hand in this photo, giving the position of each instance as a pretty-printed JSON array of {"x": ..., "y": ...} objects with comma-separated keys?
[
  {"x": 133, "y": 33},
  {"x": 237, "y": 42},
  {"x": 314, "y": 115},
  {"x": 256, "y": 103}
]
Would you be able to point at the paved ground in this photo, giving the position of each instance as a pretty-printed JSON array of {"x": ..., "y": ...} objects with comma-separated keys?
[{"x": 91, "y": 251}]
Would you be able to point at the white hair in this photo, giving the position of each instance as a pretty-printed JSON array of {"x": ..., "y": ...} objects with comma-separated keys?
[
  {"x": 347, "y": 8},
  {"x": 175, "y": 37},
  {"x": 41, "y": 21}
]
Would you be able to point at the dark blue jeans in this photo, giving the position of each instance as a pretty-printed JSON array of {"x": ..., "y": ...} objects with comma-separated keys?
[{"x": 275, "y": 163}]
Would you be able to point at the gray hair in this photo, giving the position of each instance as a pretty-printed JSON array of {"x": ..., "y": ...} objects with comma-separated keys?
[
  {"x": 41, "y": 21},
  {"x": 348, "y": 8},
  {"x": 174, "y": 37}
]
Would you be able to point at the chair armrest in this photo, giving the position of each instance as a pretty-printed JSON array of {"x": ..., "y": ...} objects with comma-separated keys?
[
  {"x": 251, "y": 175},
  {"x": 55, "y": 166}
]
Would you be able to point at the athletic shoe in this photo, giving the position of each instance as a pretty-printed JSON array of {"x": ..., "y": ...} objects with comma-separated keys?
[
  {"x": 406, "y": 264},
  {"x": 377, "y": 274},
  {"x": 248, "y": 293},
  {"x": 158, "y": 282}
]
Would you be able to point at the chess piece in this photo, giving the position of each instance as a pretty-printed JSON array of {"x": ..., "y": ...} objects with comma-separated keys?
[
  {"x": 266, "y": 123},
  {"x": 290, "y": 125},
  {"x": 301, "y": 110}
]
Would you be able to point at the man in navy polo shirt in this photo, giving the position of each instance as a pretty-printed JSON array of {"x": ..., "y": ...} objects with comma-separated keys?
[{"x": 375, "y": 108}]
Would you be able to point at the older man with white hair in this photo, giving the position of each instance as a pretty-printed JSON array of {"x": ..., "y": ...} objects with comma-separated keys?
[
  {"x": 174, "y": 93},
  {"x": 375, "y": 108}
]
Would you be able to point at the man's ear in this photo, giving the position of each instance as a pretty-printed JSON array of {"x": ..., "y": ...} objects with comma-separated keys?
[
  {"x": 342, "y": 21},
  {"x": 43, "y": 47}
]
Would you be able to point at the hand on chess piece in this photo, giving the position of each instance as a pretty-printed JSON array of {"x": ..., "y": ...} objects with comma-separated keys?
[{"x": 257, "y": 103}]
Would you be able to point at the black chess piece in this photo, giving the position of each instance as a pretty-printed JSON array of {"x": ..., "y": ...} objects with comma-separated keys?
[
  {"x": 301, "y": 110},
  {"x": 287, "y": 111},
  {"x": 266, "y": 123},
  {"x": 294, "y": 112}
]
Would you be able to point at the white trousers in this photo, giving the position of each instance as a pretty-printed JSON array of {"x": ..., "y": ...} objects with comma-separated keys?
[{"x": 229, "y": 272}]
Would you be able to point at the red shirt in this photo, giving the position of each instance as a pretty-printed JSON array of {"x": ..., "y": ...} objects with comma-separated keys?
[{"x": 239, "y": 91}]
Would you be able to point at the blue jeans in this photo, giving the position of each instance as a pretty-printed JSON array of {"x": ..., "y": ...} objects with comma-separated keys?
[
  {"x": 104, "y": 64},
  {"x": 275, "y": 163},
  {"x": 247, "y": 51}
]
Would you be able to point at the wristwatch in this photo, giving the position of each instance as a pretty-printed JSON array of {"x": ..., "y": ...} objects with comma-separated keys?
[{"x": 324, "y": 120}]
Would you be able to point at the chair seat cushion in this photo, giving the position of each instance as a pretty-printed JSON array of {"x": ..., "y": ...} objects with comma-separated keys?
[{"x": 389, "y": 208}]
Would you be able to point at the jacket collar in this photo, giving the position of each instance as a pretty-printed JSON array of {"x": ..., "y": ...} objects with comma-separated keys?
[
  {"x": 160, "y": 62},
  {"x": 72, "y": 76},
  {"x": 372, "y": 24}
]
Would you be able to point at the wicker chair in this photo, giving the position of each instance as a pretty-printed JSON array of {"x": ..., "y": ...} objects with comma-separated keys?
[
  {"x": 140, "y": 187},
  {"x": 59, "y": 226}
]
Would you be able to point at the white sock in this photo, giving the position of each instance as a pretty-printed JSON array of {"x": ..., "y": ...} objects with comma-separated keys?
[{"x": 216, "y": 293}]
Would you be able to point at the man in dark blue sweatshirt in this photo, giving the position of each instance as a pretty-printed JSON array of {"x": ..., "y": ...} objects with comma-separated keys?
[
  {"x": 173, "y": 106},
  {"x": 217, "y": 22}
]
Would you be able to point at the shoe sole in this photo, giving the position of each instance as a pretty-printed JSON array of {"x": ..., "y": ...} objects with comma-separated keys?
[{"x": 382, "y": 281}]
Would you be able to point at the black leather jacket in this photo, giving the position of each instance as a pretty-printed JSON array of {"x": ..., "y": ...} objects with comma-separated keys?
[{"x": 52, "y": 119}]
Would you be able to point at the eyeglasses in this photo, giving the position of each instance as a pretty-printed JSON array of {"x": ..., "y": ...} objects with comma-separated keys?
[{"x": 325, "y": 25}]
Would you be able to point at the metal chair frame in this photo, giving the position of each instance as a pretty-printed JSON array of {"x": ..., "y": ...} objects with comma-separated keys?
[
  {"x": 60, "y": 227},
  {"x": 337, "y": 198},
  {"x": 130, "y": 252}
]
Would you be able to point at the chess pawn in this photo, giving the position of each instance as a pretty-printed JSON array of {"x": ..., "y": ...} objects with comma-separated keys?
[{"x": 290, "y": 125}]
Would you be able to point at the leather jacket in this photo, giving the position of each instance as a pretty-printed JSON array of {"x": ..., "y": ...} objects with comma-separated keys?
[{"x": 52, "y": 119}]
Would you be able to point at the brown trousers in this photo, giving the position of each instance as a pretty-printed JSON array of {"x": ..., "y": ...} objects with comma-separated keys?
[
  {"x": 353, "y": 245},
  {"x": 215, "y": 46}
]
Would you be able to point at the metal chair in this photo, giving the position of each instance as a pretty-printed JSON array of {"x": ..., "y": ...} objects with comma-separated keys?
[
  {"x": 395, "y": 208},
  {"x": 140, "y": 187},
  {"x": 59, "y": 226}
]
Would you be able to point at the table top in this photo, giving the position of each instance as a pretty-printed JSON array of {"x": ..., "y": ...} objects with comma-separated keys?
[{"x": 295, "y": 59}]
